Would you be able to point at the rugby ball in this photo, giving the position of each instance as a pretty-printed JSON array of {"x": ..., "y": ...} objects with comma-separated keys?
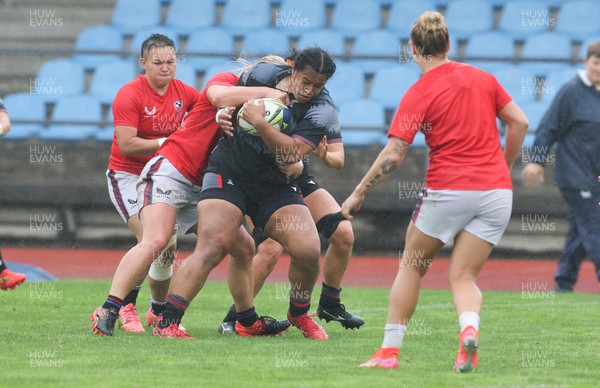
[{"x": 276, "y": 113}]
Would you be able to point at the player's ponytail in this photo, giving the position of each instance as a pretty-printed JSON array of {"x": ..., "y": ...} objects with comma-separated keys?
[
  {"x": 247, "y": 65},
  {"x": 430, "y": 35}
]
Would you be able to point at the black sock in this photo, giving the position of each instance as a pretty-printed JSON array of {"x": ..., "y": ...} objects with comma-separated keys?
[
  {"x": 247, "y": 317},
  {"x": 157, "y": 307},
  {"x": 330, "y": 296},
  {"x": 2, "y": 265},
  {"x": 132, "y": 296},
  {"x": 174, "y": 310},
  {"x": 299, "y": 306},
  {"x": 231, "y": 315},
  {"x": 112, "y": 302}
]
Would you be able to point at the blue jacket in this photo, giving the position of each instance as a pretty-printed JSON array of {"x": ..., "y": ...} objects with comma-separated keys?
[{"x": 572, "y": 126}]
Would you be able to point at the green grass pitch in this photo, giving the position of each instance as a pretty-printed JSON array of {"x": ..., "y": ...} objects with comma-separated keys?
[{"x": 527, "y": 339}]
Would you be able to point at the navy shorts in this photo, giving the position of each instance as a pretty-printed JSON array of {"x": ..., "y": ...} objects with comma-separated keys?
[
  {"x": 258, "y": 203},
  {"x": 307, "y": 184}
]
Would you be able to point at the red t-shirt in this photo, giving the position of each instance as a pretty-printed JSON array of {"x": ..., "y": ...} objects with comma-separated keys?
[
  {"x": 137, "y": 105},
  {"x": 189, "y": 148},
  {"x": 455, "y": 106}
]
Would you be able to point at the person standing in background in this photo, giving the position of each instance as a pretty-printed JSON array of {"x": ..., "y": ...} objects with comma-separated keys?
[{"x": 572, "y": 126}]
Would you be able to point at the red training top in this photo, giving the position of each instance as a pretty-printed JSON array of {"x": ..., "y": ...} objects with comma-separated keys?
[
  {"x": 455, "y": 106},
  {"x": 137, "y": 105},
  {"x": 189, "y": 148}
]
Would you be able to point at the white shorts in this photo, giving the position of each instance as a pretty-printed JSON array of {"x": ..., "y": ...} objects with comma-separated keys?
[
  {"x": 442, "y": 214},
  {"x": 123, "y": 193},
  {"x": 161, "y": 182}
]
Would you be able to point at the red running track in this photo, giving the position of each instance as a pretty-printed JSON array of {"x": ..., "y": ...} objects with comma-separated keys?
[{"x": 497, "y": 274}]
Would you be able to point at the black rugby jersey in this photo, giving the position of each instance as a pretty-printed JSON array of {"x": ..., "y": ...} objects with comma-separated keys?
[{"x": 248, "y": 156}]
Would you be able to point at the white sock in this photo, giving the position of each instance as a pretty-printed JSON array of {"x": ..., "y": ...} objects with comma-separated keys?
[
  {"x": 394, "y": 335},
  {"x": 468, "y": 318}
]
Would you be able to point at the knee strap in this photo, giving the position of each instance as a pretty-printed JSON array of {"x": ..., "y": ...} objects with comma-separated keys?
[
  {"x": 328, "y": 224},
  {"x": 161, "y": 268}
]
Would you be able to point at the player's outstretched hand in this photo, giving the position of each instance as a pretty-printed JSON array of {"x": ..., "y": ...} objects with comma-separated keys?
[
  {"x": 321, "y": 150},
  {"x": 353, "y": 202}
]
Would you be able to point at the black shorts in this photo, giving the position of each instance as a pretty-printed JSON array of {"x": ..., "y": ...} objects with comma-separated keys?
[
  {"x": 307, "y": 184},
  {"x": 258, "y": 204}
]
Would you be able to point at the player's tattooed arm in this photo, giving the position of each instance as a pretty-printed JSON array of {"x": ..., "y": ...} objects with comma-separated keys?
[
  {"x": 388, "y": 161},
  {"x": 392, "y": 159}
]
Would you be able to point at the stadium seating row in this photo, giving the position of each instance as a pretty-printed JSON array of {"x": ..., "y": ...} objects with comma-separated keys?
[
  {"x": 81, "y": 117},
  {"x": 65, "y": 77},
  {"x": 377, "y": 52},
  {"x": 371, "y": 50},
  {"x": 465, "y": 17}
]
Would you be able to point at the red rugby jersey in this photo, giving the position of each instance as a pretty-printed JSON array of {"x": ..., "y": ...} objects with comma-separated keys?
[
  {"x": 137, "y": 105},
  {"x": 455, "y": 106},
  {"x": 189, "y": 148}
]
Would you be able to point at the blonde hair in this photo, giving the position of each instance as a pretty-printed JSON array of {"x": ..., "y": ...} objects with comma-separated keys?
[
  {"x": 247, "y": 65},
  {"x": 430, "y": 35}
]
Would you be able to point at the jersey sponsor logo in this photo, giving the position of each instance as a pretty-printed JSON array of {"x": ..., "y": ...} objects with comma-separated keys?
[
  {"x": 132, "y": 202},
  {"x": 178, "y": 105},
  {"x": 150, "y": 112}
]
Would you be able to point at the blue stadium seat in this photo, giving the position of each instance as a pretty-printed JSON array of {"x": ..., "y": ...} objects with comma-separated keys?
[
  {"x": 135, "y": 48},
  {"x": 296, "y": 17},
  {"x": 520, "y": 82},
  {"x": 24, "y": 107},
  {"x": 347, "y": 83},
  {"x": 362, "y": 114},
  {"x": 58, "y": 78},
  {"x": 104, "y": 39},
  {"x": 491, "y": 45},
  {"x": 241, "y": 16},
  {"x": 585, "y": 44},
  {"x": 132, "y": 15},
  {"x": 555, "y": 80},
  {"x": 543, "y": 48},
  {"x": 109, "y": 78},
  {"x": 378, "y": 43},
  {"x": 404, "y": 13},
  {"x": 230, "y": 66},
  {"x": 579, "y": 19},
  {"x": 186, "y": 16},
  {"x": 534, "y": 111},
  {"x": 354, "y": 16},
  {"x": 215, "y": 41},
  {"x": 363, "y": 137},
  {"x": 257, "y": 44},
  {"x": 331, "y": 41},
  {"x": 187, "y": 74},
  {"x": 84, "y": 111},
  {"x": 520, "y": 19},
  {"x": 481, "y": 49},
  {"x": 468, "y": 18},
  {"x": 105, "y": 134},
  {"x": 390, "y": 84}
]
